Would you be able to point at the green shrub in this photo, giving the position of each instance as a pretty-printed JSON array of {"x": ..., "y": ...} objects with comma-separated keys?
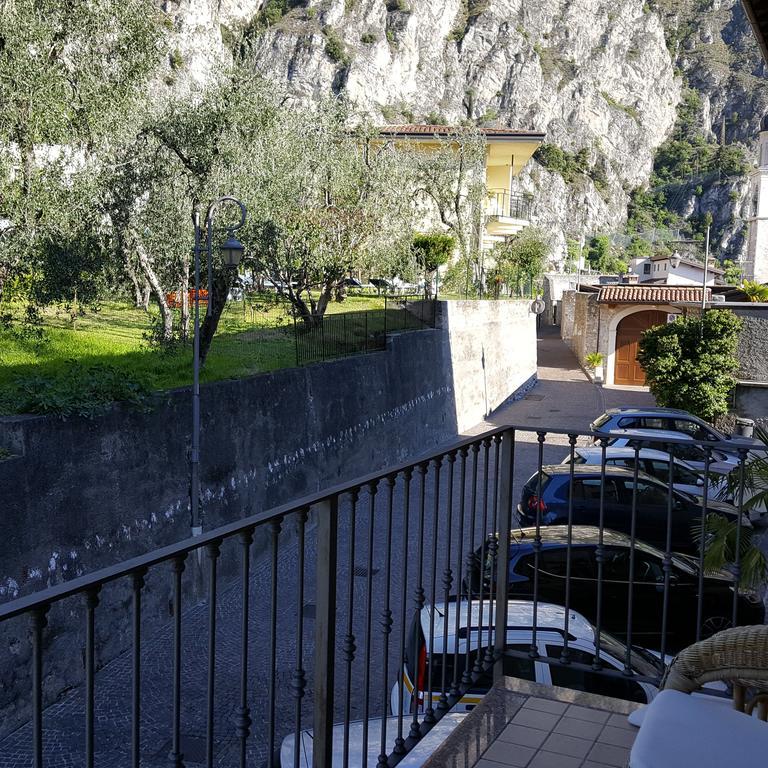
[
  {"x": 691, "y": 363},
  {"x": 77, "y": 390},
  {"x": 368, "y": 38},
  {"x": 334, "y": 47},
  {"x": 175, "y": 59}
]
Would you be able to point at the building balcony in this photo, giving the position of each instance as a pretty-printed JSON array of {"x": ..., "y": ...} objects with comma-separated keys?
[
  {"x": 372, "y": 618},
  {"x": 505, "y": 214}
]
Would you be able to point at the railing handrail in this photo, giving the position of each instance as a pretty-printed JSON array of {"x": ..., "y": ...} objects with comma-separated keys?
[{"x": 185, "y": 546}]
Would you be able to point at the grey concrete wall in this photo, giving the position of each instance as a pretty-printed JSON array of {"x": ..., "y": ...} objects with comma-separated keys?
[
  {"x": 753, "y": 344},
  {"x": 83, "y": 494},
  {"x": 555, "y": 285},
  {"x": 581, "y": 320},
  {"x": 493, "y": 353}
]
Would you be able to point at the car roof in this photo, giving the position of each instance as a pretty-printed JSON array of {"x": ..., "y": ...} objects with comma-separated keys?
[
  {"x": 621, "y": 452},
  {"x": 651, "y": 410},
  {"x": 658, "y": 434},
  {"x": 590, "y": 469},
  {"x": 549, "y": 617},
  {"x": 581, "y": 535}
]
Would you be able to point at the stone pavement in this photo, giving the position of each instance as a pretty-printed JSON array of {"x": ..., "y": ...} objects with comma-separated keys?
[{"x": 564, "y": 398}]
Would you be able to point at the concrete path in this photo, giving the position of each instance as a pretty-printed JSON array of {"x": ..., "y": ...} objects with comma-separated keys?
[{"x": 564, "y": 398}]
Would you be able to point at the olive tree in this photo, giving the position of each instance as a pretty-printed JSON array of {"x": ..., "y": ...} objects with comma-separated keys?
[
  {"x": 324, "y": 200},
  {"x": 70, "y": 75}
]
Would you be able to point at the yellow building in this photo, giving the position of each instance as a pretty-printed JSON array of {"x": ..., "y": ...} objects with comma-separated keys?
[{"x": 507, "y": 152}]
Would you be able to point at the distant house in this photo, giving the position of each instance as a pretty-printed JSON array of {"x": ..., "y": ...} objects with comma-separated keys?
[
  {"x": 659, "y": 270},
  {"x": 509, "y": 150}
]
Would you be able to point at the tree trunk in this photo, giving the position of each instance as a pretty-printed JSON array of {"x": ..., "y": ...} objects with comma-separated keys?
[
  {"x": 149, "y": 273},
  {"x": 222, "y": 282},
  {"x": 184, "y": 293}
]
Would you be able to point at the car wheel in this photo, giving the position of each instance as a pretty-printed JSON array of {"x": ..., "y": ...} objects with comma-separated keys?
[{"x": 714, "y": 624}]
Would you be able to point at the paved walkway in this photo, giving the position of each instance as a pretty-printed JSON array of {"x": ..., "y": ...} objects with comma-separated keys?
[{"x": 564, "y": 398}]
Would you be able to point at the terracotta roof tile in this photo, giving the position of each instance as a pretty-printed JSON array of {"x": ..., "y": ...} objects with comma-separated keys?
[
  {"x": 651, "y": 294},
  {"x": 447, "y": 130}
]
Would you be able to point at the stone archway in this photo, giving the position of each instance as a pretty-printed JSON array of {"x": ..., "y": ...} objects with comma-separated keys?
[{"x": 626, "y": 369}]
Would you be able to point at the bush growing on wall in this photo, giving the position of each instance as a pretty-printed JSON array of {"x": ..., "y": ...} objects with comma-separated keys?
[{"x": 690, "y": 364}]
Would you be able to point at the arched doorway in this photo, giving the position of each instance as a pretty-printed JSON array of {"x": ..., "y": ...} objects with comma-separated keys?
[{"x": 626, "y": 368}]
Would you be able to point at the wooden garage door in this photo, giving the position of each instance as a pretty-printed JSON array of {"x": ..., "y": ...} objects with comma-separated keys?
[{"x": 627, "y": 370}]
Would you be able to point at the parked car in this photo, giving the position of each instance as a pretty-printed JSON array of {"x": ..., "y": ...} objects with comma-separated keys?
[
  {"x": 617, "y": 494},
  {"x": 550, "y": 621},
  {"x": 414, "y": 759},
  {"x": 614, "y": 420},
  {"x": 655, "y": 463},
  {"x": 647, "y": 592},
  {"x": 381, "y": 284},
  {"x": 693, "y": 454}
]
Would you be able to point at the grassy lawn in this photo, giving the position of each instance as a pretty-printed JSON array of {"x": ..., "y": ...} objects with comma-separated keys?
[{"x": 108, "y": 350}]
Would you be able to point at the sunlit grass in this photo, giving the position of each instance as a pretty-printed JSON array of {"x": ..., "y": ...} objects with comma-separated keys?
[{"x": 253, "y": 336}]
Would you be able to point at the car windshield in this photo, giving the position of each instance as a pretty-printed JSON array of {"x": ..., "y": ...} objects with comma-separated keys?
[{"x": 643, "y": 662}]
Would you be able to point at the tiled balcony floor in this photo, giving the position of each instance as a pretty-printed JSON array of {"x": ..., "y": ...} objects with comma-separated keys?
[{"x": 525, "y": 725}]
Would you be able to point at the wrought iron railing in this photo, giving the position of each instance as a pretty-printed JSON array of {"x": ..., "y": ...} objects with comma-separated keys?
[
  {"x": 354, "y": 333},
  {"x": 501, "y": 202},
  {"x": 389, "y": 593}
]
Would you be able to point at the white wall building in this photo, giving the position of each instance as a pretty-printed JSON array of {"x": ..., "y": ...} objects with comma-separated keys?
[
  {"x": 756, "y": 265},
  {"x": 658, "y": 270}
]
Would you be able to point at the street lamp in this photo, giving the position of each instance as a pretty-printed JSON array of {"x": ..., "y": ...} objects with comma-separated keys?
[
  {"x": 231, "y": 252},
  {"x": 674, "y": 260}
]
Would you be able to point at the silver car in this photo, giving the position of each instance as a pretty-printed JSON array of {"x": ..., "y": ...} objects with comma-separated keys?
[{"x": 685, "y": 477}]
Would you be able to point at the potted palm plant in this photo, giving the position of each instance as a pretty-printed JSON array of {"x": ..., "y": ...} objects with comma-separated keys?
[{"x": 594, "y": 363}]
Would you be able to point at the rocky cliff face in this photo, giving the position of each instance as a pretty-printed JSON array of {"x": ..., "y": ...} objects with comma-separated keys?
[{"x": 600, "y": 75}]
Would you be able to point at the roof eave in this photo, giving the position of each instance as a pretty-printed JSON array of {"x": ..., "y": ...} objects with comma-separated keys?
[{"x": 759, "y": 26}]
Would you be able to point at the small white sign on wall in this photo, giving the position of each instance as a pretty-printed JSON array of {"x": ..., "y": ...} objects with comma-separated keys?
[{"x": 672, "y": 316}]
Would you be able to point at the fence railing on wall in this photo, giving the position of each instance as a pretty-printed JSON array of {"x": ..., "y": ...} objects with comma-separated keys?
[
  {"x": 354, "y": 333},
  {"x": 371, "y": 609}
]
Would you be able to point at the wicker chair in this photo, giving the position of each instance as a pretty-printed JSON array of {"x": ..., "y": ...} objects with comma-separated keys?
[
  {"x": 737, "y": 656},
  {"x": 680, "y": 730}
]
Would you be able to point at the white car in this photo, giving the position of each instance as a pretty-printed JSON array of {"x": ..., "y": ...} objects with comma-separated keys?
[
  {"x": 549, "y": 644},
  {"x": 414, "y": 759},
  {"x": 685, "y": 477}
]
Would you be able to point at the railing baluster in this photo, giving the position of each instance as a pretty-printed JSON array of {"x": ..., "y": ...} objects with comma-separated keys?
[
  {"x": 91, "y": 602},
  {"x": 418, "y": 605},
  {"x": 349, "y": 638},
  {"x": 442, "y": 705},
  {"x": 506, "y": 501},
  {"x": 176, "y": 757},
  {"x": 597, "y": 664},
  {"x": 469, "y": 561},
  {"x": 737, "y": 564},
  {"x": 632, "y": 540},
  {"x": 274, "y": 534},
  {"x": 39, "y": 622},
  {"x": 137, "y": 583},
  {"x": 213, "y": 551},
  {"x": 493, "y": 550},
  {"x": 534, "y": 654},
  {"x": 386, "y": 624},
  {"x": 299, "y": 682},
  {"x": 702, "y": 546},
  {"x": 565, "y": 656},
  {"x": 400, "y": 748},
  {"x": 325, "y": 632},
  {"x": 667, "y": 561},
  {"x": 243, "y": 715},
  {"x": 372, "y": 489},
  {"x": 455, "y": 685},
  {"x": 429, "y": 715},
  {"x": 478, "y": 668}
]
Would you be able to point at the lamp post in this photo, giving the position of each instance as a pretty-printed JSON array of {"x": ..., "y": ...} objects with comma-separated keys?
[{"x": 231, "y": 251}]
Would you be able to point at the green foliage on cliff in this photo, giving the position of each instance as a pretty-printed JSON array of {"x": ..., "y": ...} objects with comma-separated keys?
[
  {"x": 691, "y": 363},
  {"x": 603, "y": 258},
  {"x": 572, "y": 166}
]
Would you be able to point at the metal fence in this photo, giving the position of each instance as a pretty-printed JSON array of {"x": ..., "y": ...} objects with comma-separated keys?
[
  {"x": 388, "y": 594},
  {"x": 353, "y": 333}
]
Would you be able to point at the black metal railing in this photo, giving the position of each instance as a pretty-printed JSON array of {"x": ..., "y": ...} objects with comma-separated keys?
[
  {"x": 354, "y": 333},
  {"x": 501, "y": 202},
  {"x": 400, "y": 592}
]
